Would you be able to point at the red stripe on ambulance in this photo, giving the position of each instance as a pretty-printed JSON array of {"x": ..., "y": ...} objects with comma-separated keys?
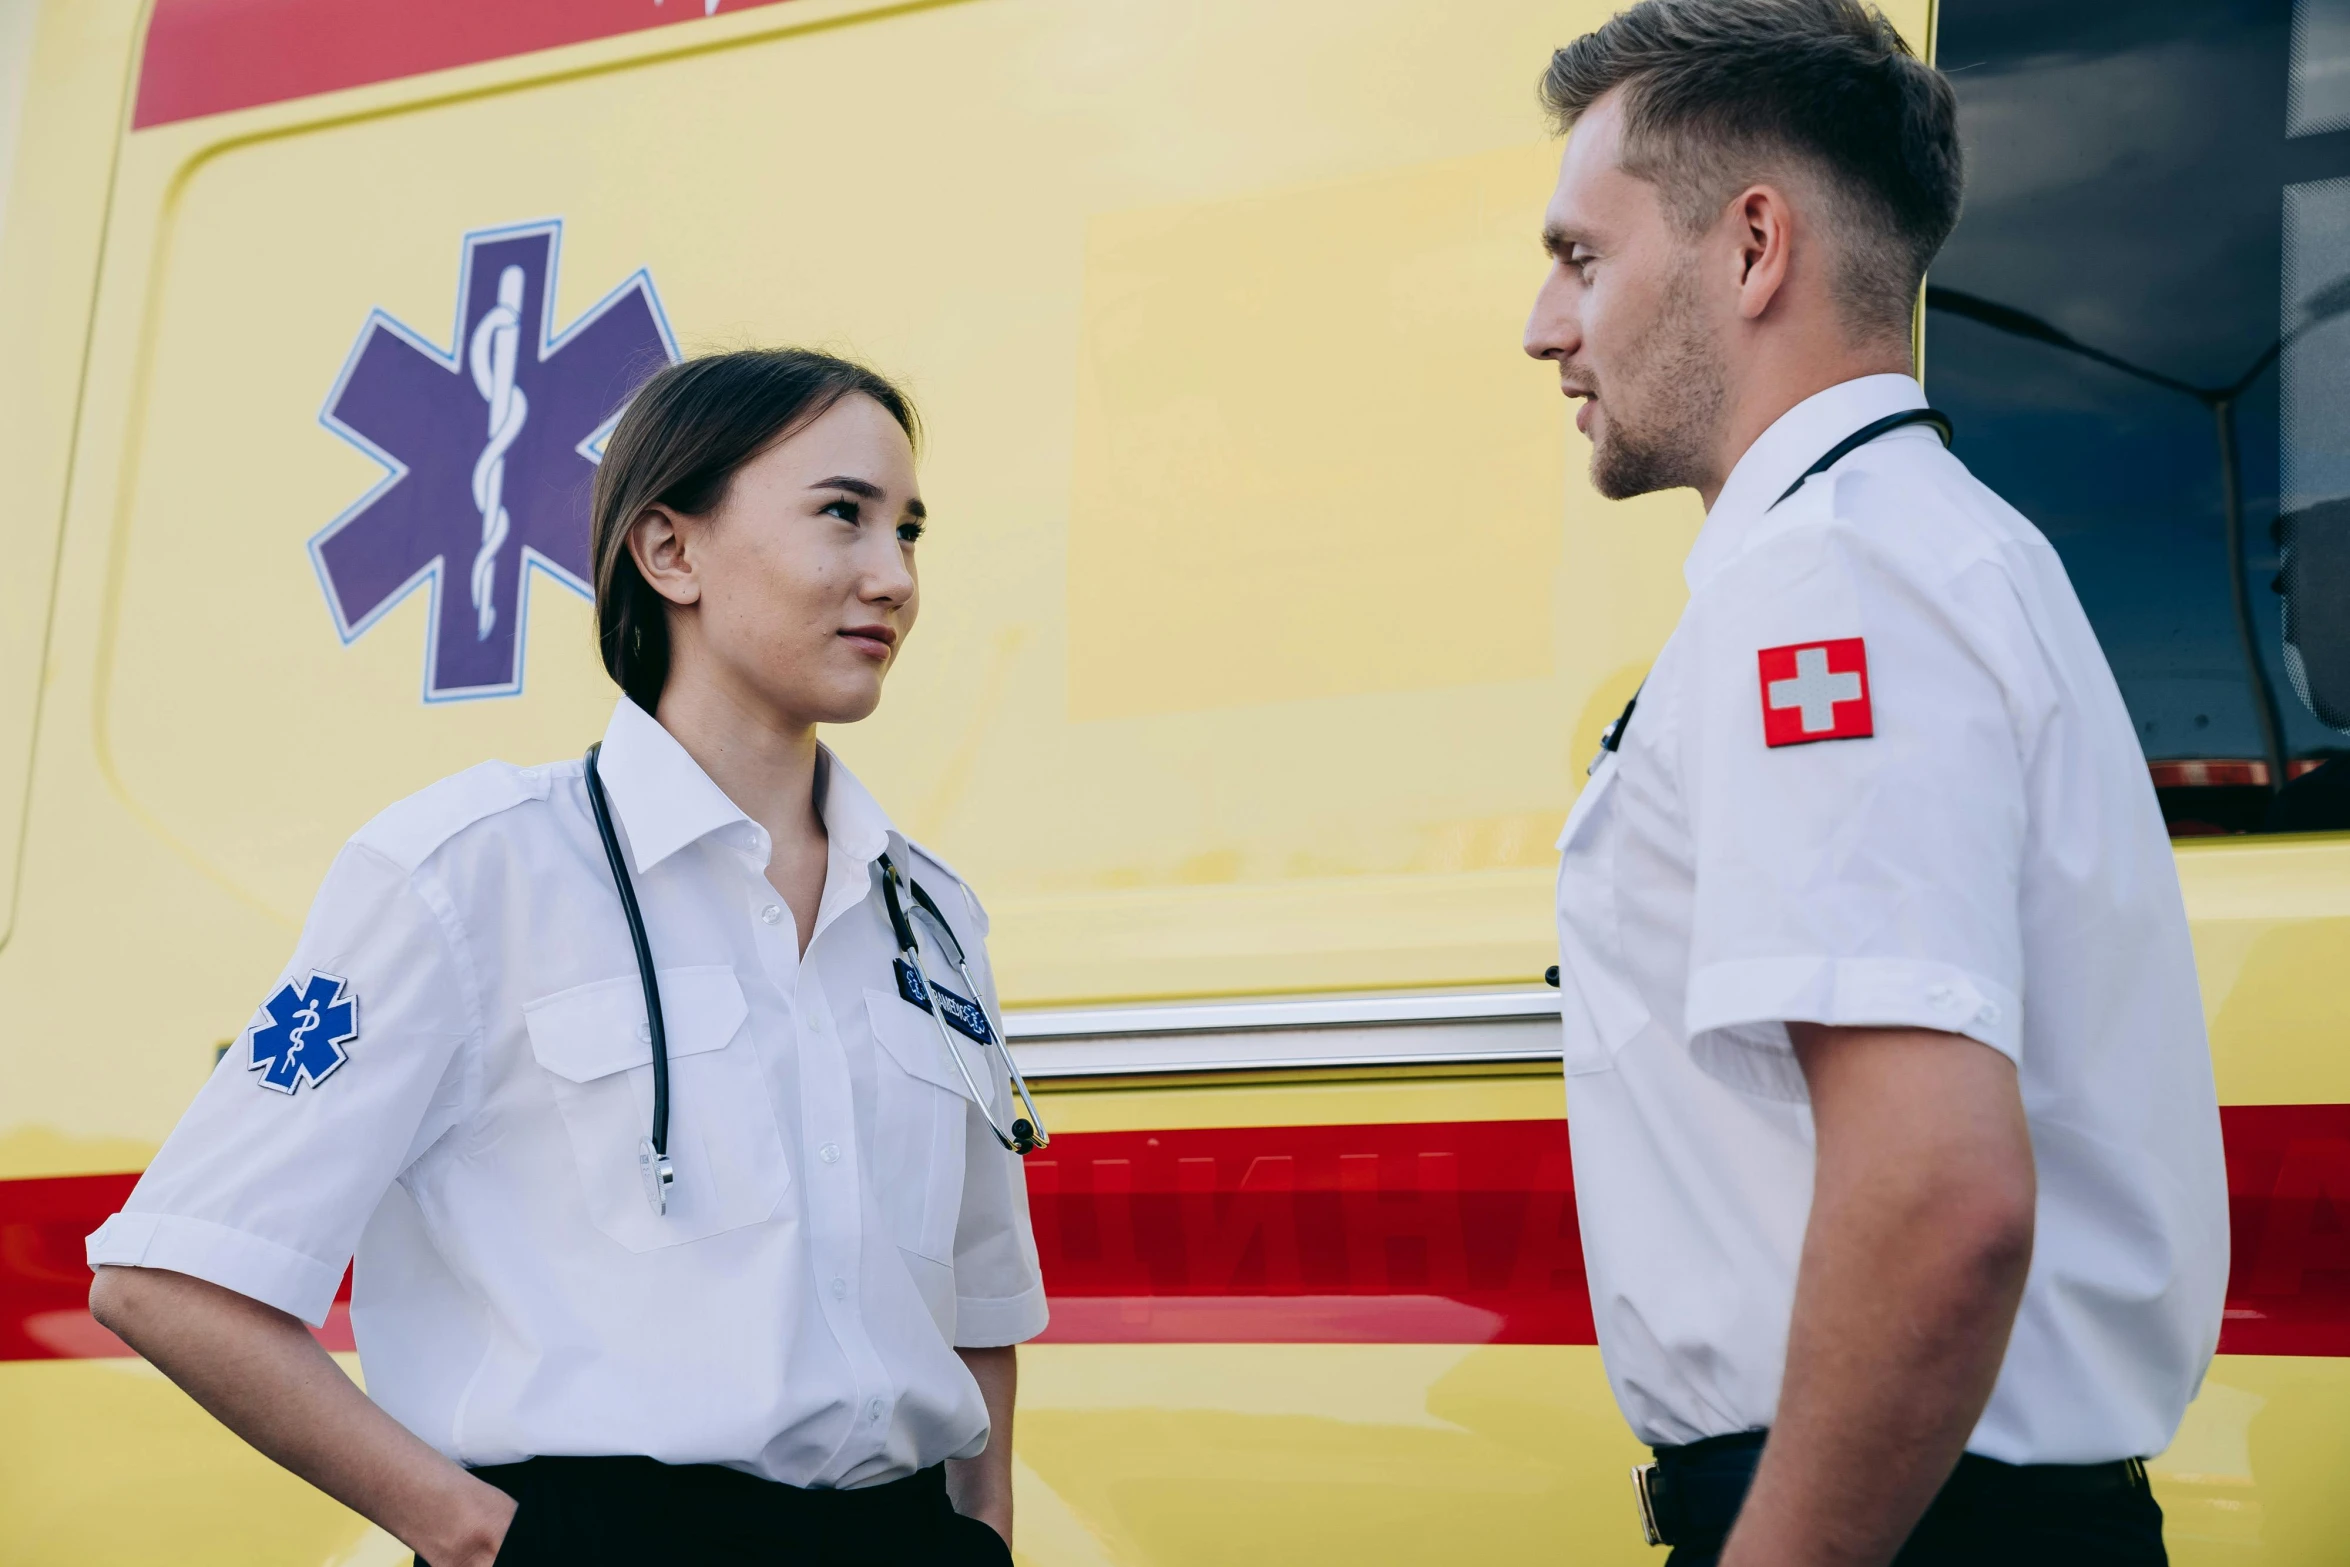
[
  {"x": 45, "y": 1281},
  {"x": 211, "y": 56},
  {"x": 2289, "y": 1213},
  {"x": 1447, "y": 1232},
  {"x": 1464, "y": 1232},
  {"x": 1457, "y": 1232}
]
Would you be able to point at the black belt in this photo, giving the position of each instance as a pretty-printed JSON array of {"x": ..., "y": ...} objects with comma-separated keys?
[
  {"x": 588, "y": 1512},
  {"x": 1691, "y": 1495}
]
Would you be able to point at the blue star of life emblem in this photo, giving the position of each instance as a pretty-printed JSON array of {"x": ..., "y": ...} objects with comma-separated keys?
[
  {"x": 309, "y": 1024},
  {"x": 490, "y": 447}
]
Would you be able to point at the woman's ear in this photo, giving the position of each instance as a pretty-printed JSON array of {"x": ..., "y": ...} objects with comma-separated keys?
[{"x": 658, "y": 544}]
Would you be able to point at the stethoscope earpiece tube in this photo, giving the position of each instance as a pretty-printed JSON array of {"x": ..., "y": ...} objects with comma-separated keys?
[
  {"x": 653, "y": 1155},
  {"x": 1867, "y": 433},
  {"x": 923, "y": 902},
  {"x": 900, "y": 926}
]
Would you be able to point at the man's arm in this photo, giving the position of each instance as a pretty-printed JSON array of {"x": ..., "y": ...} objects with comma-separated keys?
[
  {"x": 261, "y": 1374},
  {"x": 1913, "y": 1266},
  {"x": 982, "y": 1487}
]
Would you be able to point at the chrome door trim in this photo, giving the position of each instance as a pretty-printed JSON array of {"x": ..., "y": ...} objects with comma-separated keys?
[{"x": 1416, "y": 1028}]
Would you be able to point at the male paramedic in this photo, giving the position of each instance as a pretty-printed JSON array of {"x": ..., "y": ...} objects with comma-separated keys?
[{"x": 1895, "y": 1139}]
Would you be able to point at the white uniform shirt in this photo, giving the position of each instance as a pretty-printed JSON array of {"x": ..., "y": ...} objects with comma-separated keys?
[
  {"x": 842, "y": 1218},
  {"x": 1989, "y": 861}
]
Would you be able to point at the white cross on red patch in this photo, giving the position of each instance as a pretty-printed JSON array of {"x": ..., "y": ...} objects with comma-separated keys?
[{"x": 1815, "y": 691}]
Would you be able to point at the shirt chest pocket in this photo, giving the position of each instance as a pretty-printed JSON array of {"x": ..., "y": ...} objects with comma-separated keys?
[
  {"x": 723, "y": 1140},
  {"x": 923, "y": 1111},
  {"x": 1598, "y": 1007}
]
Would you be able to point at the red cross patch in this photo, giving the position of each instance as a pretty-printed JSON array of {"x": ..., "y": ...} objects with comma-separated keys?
[{"x": 1815, "y": 691}]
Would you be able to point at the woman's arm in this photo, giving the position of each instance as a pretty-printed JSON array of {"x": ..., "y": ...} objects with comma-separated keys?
[
  {"x": 982, "y": 1487},
  {"x": 261, "y": 1374}
]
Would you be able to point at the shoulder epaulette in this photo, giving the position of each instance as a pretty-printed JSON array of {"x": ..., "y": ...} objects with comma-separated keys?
[{"x": 408, "y": 832}]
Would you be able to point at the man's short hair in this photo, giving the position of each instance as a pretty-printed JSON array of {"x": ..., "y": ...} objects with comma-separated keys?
[{"x": 1718, "y": 93}]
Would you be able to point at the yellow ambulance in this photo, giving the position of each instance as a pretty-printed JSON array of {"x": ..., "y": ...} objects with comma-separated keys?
[{"x": 1269, "y": 623}]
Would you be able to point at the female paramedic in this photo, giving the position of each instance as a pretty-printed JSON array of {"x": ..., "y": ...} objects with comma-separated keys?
[{"x": 660, "y": 1094}]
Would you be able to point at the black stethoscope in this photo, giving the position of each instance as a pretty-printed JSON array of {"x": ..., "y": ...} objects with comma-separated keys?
[
  {"x": 1612, "y": 738},
  {"x": 969, "y": 1017}
]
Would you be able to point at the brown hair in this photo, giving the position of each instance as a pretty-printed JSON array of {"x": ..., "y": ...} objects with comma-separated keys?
[
  {"x": 679, "y": 444},
  {"x": 1717, "y": 91}
]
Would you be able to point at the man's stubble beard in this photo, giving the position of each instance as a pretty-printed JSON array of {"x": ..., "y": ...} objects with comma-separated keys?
[{"x": 1665, "y": 417}]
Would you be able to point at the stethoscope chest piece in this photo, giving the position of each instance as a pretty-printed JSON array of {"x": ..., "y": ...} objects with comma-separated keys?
[
  {"x": 658, "y": 1173},
  {"x": 1026, "y": 1134}
]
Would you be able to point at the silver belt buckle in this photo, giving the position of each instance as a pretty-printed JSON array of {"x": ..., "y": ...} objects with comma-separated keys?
[
  {"x": 1643, "y": 1479},
  {"x": 659, "y": 1175}
]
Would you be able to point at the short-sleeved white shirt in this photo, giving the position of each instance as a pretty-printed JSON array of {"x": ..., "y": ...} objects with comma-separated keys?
[
  {"x": 1988, "y": 860},
  {"x": 842, "y": 1218}
]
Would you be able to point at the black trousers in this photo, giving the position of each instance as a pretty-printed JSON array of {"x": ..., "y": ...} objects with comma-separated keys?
[
  {"x": 2005, "y": 1515},
  {"x": 625, "y": 1512}
]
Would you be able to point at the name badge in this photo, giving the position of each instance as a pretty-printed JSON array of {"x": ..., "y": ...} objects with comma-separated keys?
[{"x": 964, "y": 1017}]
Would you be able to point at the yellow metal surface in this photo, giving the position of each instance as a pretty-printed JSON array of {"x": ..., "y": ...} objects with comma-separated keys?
[
  {"x": 74, "y": 89},
  {"x": 1518, "y": 1096},
  {"x": 1269, "y": 621},
  {"x": 105, "y": 1464},
  {"x": 1174, "y": 1453},
  {"x": 1195, "y": 524},
  {"x": 1416, "y": 1453},
  {"x": 2272, "y": 943}
]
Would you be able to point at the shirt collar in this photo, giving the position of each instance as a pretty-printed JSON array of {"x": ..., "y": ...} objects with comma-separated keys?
[
  {"x": 665, "y": 801},
  {"x": 1796, "y": 439},
  {"x": 854, "y": 822}
]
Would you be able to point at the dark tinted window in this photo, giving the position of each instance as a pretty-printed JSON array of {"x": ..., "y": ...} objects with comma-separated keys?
[{"x": 2142, "y": 331}]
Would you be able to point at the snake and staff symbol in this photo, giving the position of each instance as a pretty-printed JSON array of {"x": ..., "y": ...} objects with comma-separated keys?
[
  {"x": 488, "y": 442},
  {"x": 497, "y": 339},
  {"x": 306, "y": 1018}
]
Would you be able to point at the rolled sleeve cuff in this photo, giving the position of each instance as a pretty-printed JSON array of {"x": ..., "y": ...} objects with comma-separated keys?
[
  {"x": 1856, "y": 993},
  {"x": 261, "y": 1270},
  {"x": 1006, "y": 1319}
]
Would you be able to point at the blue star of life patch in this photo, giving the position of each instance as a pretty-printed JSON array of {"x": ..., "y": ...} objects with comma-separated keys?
[
  {"x": 964, "y": 1017},
  {"x": 303, "y": 1040}
]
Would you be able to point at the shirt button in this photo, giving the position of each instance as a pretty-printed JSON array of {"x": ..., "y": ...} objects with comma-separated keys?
[
  {"x": 829, "y": 1153},
  {"x": 1989, "y": 1014},
  {"x": 644, "y": 1033},
  {"x": 873, "y": 1410},
  {"x": 1941, "y": 995},
  {"x": 840, "y": 1289},
  {"x": 772, "y": 914}
]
